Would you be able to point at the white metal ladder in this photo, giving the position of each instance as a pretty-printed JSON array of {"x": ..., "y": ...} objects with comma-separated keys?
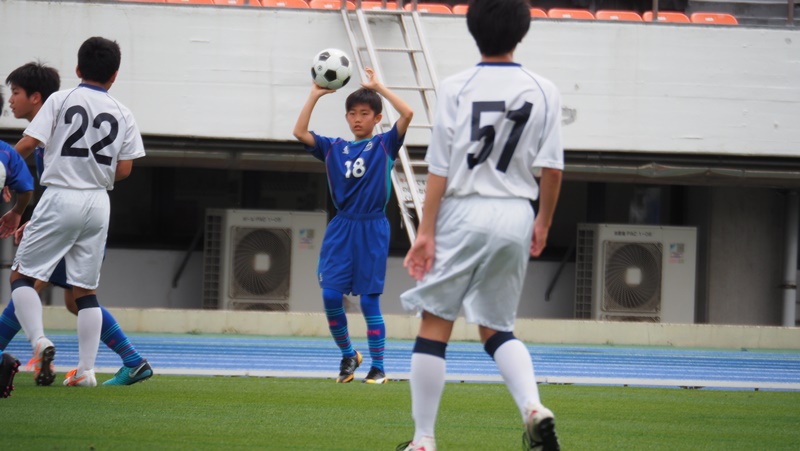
[{"x": 410, "y": 193}]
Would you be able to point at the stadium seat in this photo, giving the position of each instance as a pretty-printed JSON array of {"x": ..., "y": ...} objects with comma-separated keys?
[
  {"x": 562, "y": 13},
  {"x": 192, "y": 2},
  {"x": 238, "y": 2},
  {"x": 431, "y": 8},
  {"x": 329, "y": 4},
  {"x": 144, "y": 1},
  {"x": 460, "y": 9},
  {"x": 714, "y": 18},
  {"x": 284, "y": 3},
  {"x": 666, "y": 16},
  {"x": 378, "y": 5},
  {"x": 536, "y": 12},
  {"x": 626, "y": 16}
]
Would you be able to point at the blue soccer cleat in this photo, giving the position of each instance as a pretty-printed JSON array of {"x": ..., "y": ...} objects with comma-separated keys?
[{"x": 130, "y": 376}]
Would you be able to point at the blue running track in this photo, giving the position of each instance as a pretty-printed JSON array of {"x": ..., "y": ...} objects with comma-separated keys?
[{"x": 560, "y": 364}]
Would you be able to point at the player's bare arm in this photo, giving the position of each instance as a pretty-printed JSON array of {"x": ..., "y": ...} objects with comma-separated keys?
[
  {"x": 301, "y": 126},
  {"x": 26, "y": 146},
  {"x": 405, "y": 111},
  {"x": 549, "y": 189},
  {"x": 10, "y": 221},
  {"x": 419, "y": 259},
  {"x": 124, "y": 168}
]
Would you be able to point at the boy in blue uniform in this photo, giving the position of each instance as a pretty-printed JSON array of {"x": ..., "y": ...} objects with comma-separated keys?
[
  {"x": 16, "y": 176},
  {"x": 356, "y": 245},
  {"x": 31, "y": 84}
]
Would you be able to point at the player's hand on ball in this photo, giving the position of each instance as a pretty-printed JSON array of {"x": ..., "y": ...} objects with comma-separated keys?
[{"x": 320, "y": 91}]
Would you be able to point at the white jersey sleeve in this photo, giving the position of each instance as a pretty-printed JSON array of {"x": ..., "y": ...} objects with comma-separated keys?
[
  {"x": 85, "y": 132},
  {"x": 494, "y": 126}
]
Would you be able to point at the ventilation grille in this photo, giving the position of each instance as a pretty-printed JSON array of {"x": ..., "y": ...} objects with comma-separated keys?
[
  {"x": 632, "y": 277},
  {"x": 584, "y": 273},
  {"x": 260, "y": 263},
  {"x": 212, "y": 261}
]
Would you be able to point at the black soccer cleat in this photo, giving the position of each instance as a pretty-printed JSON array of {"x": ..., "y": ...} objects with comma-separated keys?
[
  {"x": 348, "y": 367},
  {"x": 9, "y": 366},
  {"x": 375, "y": 376}
]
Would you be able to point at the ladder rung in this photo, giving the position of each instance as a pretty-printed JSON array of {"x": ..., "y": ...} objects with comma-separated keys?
[
  {"x": 397, "y": 50},
  {"x": 420, "y": 126},
  {"x": 411, "y": 88}
]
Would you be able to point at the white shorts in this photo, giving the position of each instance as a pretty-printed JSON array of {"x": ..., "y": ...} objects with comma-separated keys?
[
  {"x": 482, "y": 252},
  {"x": 70, "y": 224}
]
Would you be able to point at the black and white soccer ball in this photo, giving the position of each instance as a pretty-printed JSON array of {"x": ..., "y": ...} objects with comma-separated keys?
[{"x": 331, "y": 69}]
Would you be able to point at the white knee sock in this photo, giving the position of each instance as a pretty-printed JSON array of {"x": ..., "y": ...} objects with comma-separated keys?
[
  {"x": 427, "y": 385},
  {"x": 28, "y": 308},
  {"x": 514, "y": 362},
  {"x": 90, "y": 320}
]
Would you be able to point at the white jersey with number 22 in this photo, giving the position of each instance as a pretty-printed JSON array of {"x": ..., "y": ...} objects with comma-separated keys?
[{"x": 85, "y": 132}]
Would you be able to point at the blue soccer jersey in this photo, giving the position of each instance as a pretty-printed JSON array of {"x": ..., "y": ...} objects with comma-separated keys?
[
  {"x": 358, "y": 172},
  {"x": 18, "y": 177},
  {"x": 356, "y": 245}
]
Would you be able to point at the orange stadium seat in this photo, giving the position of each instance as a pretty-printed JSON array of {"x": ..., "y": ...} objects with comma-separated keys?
[
  {"x": 561, "y": 13},
  {"x": 666, "y": 16},
  {"x": 432, "y": 8},
  {"x": 284, "y": 3},
  {"x": 193, "y": 2},
  {"x": 329, "y": 4},
  {"x": 460, "y": 9},
  {"x": 238, "y": 2},
  {"x": 714, "y": 18},
  {"x": 536, "y": 12},
  {"x": 626, "y": 16},
  {"x": 378, "y": 5}
]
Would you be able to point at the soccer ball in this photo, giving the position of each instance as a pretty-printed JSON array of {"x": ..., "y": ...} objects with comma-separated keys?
[{"x": 331, "y": 69}]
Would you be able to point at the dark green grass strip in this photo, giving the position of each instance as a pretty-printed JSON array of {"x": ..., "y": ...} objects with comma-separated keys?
[{"x": 229, "y": 413}]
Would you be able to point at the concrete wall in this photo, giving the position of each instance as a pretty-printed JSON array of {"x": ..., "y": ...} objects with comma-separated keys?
[
  {"x": 745, "y": 256},
  {"x": 244, "y": 73}
]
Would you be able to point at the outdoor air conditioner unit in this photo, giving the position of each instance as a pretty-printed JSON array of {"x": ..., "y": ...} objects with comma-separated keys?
[
  {"x": 635, "y": 273},
  {"x": 262, "y": 260}
]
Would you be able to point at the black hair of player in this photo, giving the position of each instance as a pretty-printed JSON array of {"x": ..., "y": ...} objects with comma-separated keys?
[
  {"x": 35, "y": 77},
  {"x": 364, "y": 96},
  {"x": 98, "y": 59},
  {"x": 498, "y": 25}
]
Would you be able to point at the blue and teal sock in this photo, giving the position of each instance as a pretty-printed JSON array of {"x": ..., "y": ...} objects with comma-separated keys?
[
  {"x": 116, "y": 340},
  {"x": 337, "y": 321},
  {"x": 376, "y": 328},
  {"x": 9, "y": 326}
]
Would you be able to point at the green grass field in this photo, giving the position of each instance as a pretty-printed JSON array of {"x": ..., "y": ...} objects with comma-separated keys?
[{"x": 224, "y": 413}]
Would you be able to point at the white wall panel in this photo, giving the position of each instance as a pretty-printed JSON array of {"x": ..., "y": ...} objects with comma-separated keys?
[{"x": 243, "y": 73}]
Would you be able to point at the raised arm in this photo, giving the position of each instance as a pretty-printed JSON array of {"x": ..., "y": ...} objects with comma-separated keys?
[
  {"x": 406, "y": 113},
  {"x": 301, "y": 126}
]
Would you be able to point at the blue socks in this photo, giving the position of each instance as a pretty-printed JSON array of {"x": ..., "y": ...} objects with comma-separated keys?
[
  {"x": 9, "y": 326},
  {"x": 111, "y": 334},
  {"x": 337, "y": 321},
  {"x": 376, "y": 328},
  {"x": 116, "y": 340}
]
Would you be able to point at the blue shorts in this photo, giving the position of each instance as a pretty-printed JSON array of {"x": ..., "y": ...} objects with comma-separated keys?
[
  {"x": 59, "y": 276},
  {"x": 354, "y": 253}
]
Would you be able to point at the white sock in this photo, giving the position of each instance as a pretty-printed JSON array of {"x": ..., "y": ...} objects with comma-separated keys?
[
  {"x": 514, "y": 362},
  {"x": 427, "y": 385},
  {"x": 90, "y": 320},
  {"x": 28, "y": 308}
]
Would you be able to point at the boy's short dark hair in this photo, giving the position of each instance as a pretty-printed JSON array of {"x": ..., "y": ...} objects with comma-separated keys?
[
  {"x": 498, "y": 25},
  {"x": 35, "y": 77},
  {"x": 364, "y": 95},
  {"x": 98, "y": 59}
]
